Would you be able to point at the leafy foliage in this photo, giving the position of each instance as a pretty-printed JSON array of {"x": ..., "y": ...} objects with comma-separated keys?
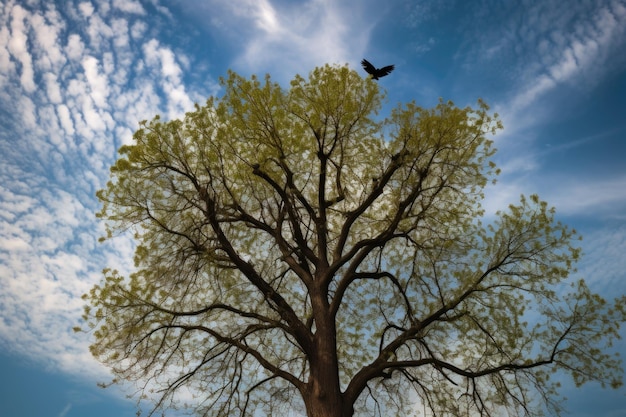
[{"x": 295, "y": 252}]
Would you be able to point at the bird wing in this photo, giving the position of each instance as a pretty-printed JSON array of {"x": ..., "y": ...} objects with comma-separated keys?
[
  {"x": 369, "y": 68},
  {"x": 384, "y": 70}
]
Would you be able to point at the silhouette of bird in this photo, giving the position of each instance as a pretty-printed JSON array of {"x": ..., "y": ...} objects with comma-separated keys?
[{"x": 376, "y": 72}]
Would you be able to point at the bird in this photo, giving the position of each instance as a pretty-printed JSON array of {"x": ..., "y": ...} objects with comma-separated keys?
[{"x": 376, "y": 72}]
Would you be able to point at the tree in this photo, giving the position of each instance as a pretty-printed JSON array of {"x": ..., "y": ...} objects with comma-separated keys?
[{"x": 296, "y": 252}]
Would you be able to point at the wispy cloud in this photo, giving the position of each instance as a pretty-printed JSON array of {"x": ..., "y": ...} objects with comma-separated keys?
[
  {"x": 572, "y": 196},
  {"x": 604, "y": 197},
  {"x": 562, "y": 44},
  {"x": 603, "y": 261},
  {"x": 551, "y": 48},
  {"x": 290, "y": 37},
  {"x": 66, "y": 410}
]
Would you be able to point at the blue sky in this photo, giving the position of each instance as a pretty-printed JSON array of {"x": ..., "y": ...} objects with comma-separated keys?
[{"x": 76, "y": 77}]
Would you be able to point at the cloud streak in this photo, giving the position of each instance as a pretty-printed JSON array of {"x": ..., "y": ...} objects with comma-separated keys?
[
  {"x": 66, "y": 410},
  {"x": 565, "y": 44}
]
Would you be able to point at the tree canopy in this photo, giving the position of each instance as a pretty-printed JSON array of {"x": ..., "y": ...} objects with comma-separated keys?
[{"x": 295, "y": 251}]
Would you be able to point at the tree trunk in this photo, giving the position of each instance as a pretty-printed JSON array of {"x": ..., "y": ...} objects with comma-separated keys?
[{"x": 323, "y": 397}]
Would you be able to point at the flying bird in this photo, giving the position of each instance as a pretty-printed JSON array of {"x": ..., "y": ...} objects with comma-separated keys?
[{"x": 376, "y": 72}]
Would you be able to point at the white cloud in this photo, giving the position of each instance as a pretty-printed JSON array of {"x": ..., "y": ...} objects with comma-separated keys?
[
  {"x": 99, "y": 32},
  {"x": 46, "y": 40},
  {"x": 65, "y": 410},
  {"x": 61, "y": 138},
  {"x": 13, "y": 204},
  {"x": 120, "y": 29},
  {"x": 86, "y": 9},
  {"x": 163, "y": 61},
  {"x": 28, "y": 112},
  {"x": 263, "y": 14},
  {"x": 499, "y": 196},
  {"x": 14, "y": 244},
  {"x": 45, "y": 267},
  {"x": 163, "y": 57},
  {"x": 66, "y": 119},
  {"x": 52, "y": 88},
  {"x": 129, "y": 6},
  {"x": 138, "y": 29},
  {"x": 75, "y": 47},
  {"x": 97, "y": 81},
  {"x": 17, "y": 45},
  {"x": 6, "y": 65},
  {"x": 530, "y": 93},
  {"x": 566, "y": 68}
]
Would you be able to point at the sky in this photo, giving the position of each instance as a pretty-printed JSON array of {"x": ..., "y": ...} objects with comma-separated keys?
[{"x": 76, "y": 77}]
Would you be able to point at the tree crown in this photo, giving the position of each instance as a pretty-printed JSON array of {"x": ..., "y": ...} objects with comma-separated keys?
[{"x": 290, "y": 241}]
